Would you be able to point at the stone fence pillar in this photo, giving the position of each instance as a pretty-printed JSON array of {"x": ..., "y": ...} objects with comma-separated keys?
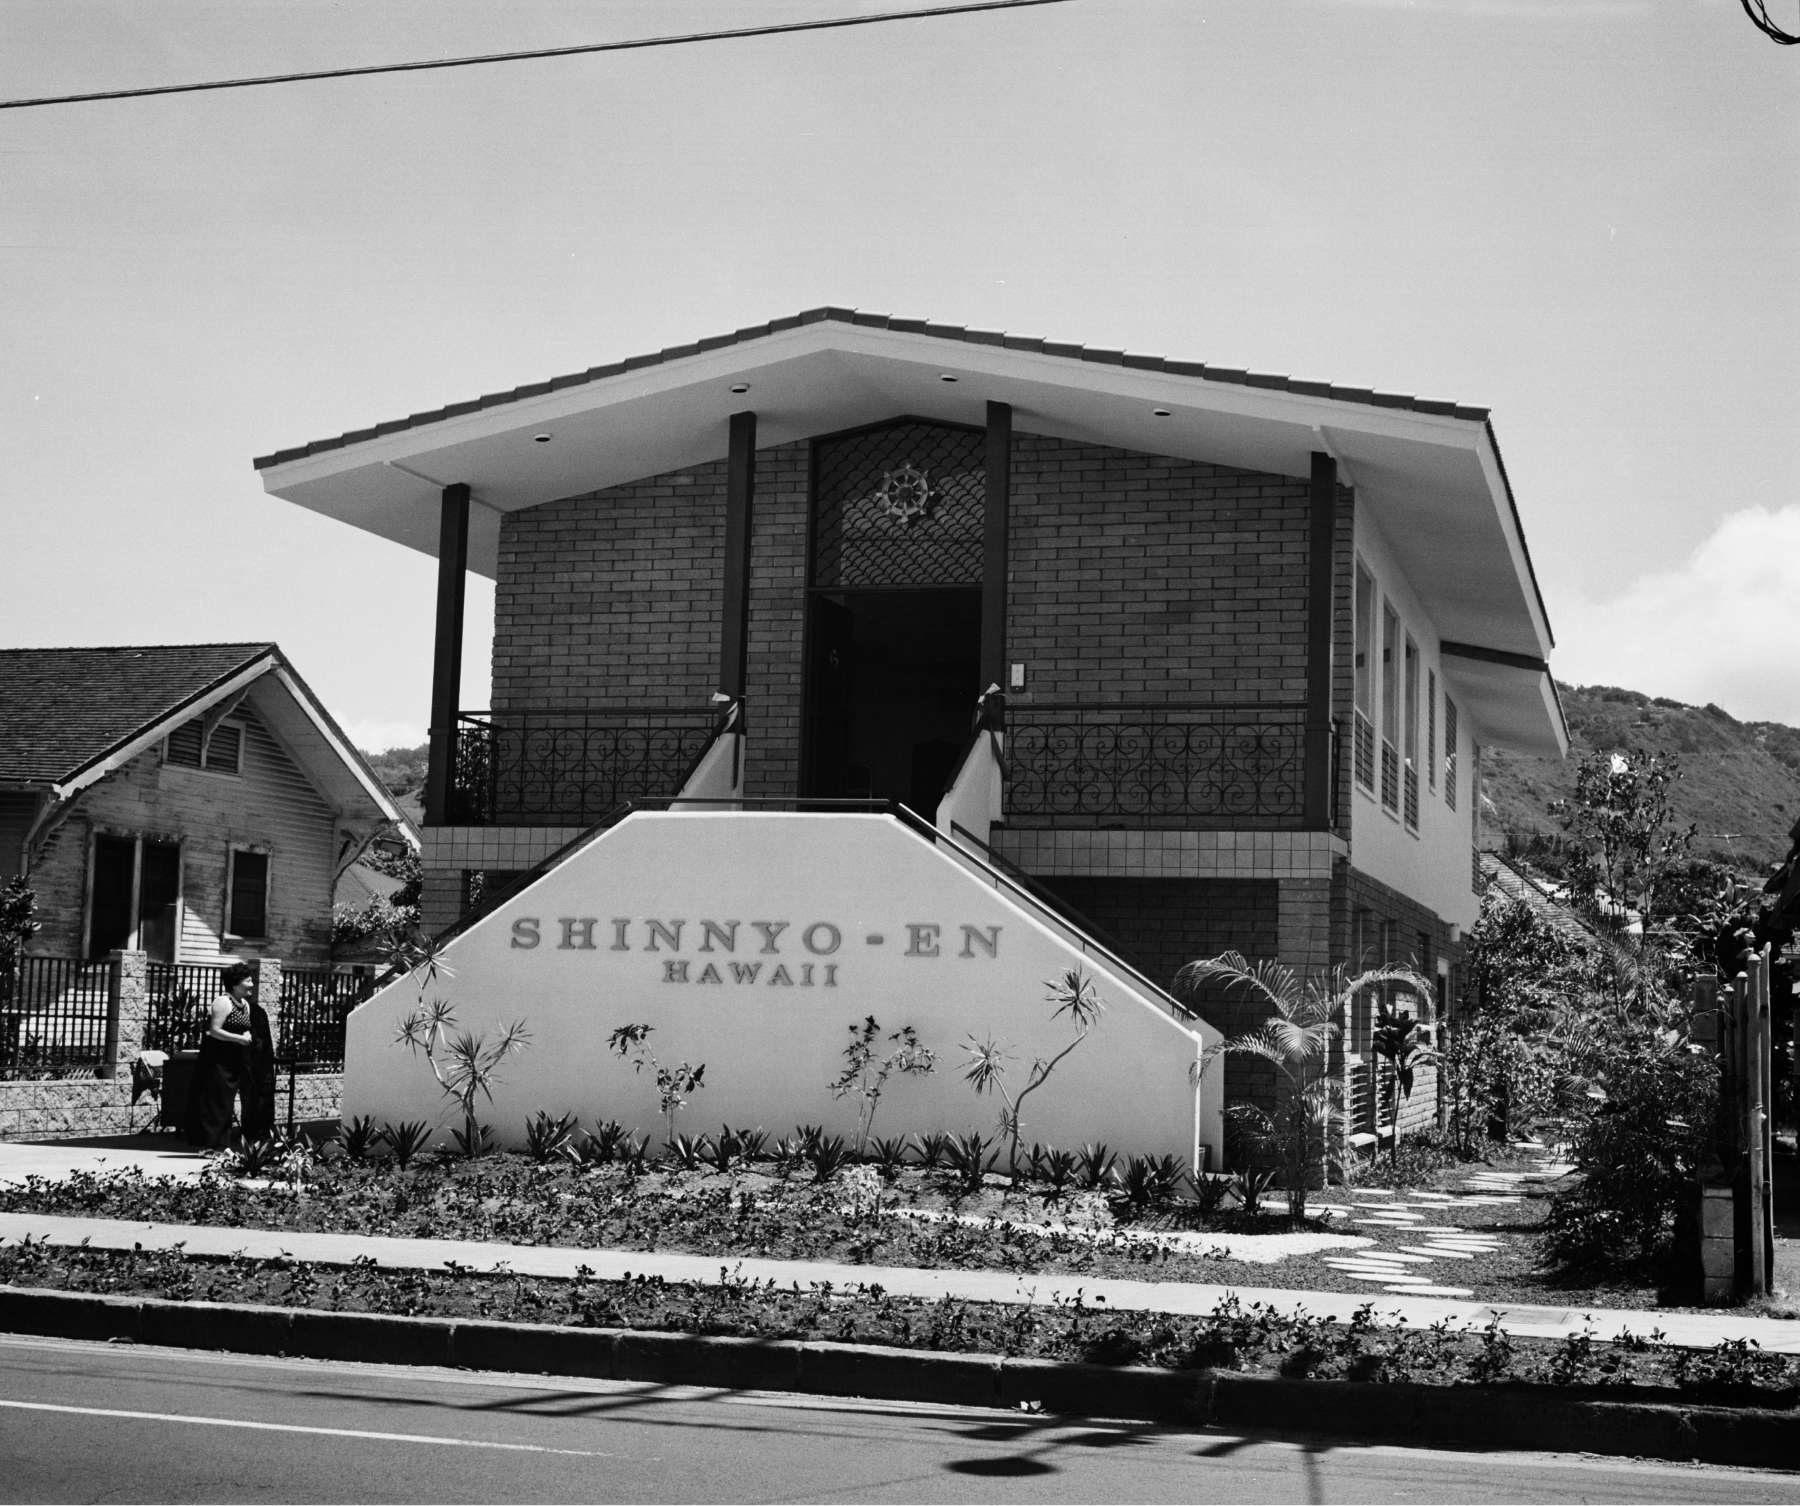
[
  {"x": 127, "y": 1010},
  {"x": 268, "y": 993}
]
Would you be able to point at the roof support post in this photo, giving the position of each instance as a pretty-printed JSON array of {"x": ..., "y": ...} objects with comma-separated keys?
[
  {"x": 446, "y": 664},
  {"x": 740, "y": 504},
  {"x": 1320, "y": 601},
  {"x": 993, "y": 555}
]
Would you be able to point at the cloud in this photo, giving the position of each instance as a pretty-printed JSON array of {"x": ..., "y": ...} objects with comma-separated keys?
[{"x": 1724, "y": 627}]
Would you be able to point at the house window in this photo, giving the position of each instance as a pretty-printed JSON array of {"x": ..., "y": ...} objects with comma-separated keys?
[
  {"x": 1431, "y": 728},
  {"x": 134, "y": 897},
  {"x": 1409, "y": 715},
  {"x": 1451, "y": 733},
  {"x": 1390, "y": 708},
  {"x": 1365, "y": 679},
  {"x": 188, "y": 748},
  {"x": 247, "y": 904}
]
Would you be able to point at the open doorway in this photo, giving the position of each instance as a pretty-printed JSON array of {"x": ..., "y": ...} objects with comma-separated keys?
[{"x": 892, "y": 678}]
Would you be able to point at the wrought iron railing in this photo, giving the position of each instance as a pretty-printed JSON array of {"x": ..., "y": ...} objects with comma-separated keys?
[
  {"x": 314, "y": 1005},
  {"x": 179, "y": 993},
  {"x": 569, "y": 768},
  {"x": 1177, "y": 764},
  {"x": 54, "y": 1013}
]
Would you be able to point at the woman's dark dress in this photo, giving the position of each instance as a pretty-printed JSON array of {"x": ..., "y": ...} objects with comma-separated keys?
[{"x": 226, "y": 1072}]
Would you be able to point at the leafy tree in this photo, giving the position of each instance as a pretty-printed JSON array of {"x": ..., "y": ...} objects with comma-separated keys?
[
  {"x": 866, "y": 1071},
  {"x": 673, "y": 1084},
  {"x": 1622, "y": 821}
]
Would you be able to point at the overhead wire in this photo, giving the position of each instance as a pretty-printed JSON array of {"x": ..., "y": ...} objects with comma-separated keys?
[
  {"x": 1758, "y": 12},
  {"x": 828, "y": 23}
]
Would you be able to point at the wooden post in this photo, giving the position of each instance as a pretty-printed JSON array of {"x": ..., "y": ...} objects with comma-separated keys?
[
  {"x": 1321, "y": 544},
  {"x": 740, "y": 501},
  {"x": 1751, "y": 1047},
  {"x": 446, "y": 665},
  {"x": 1765, "y": 1134},
  {"x": 993, "y": 551}
]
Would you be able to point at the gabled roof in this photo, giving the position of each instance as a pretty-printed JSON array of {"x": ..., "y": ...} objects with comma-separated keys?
[
  {"x": 1428, "y": 475},
  {"x": 70, "y": 716},
  {"x": 64, "y": 709}
]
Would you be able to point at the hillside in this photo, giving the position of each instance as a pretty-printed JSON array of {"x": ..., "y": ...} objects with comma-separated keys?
[{"x": 1740, "y": 780}]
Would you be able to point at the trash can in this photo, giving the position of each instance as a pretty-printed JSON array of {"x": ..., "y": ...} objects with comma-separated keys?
[{"x": 177, "y": 1086}]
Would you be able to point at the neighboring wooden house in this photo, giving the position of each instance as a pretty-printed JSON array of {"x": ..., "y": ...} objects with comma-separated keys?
[
  {"x": 1208, "y": 656},
  {"x": 194, "y": 802}
]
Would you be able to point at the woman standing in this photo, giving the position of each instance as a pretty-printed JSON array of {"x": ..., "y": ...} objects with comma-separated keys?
[{"x": 227, "y": 1069}]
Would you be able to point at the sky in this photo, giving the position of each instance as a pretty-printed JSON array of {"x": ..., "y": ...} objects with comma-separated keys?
[{"x": 1583, "y": 215}]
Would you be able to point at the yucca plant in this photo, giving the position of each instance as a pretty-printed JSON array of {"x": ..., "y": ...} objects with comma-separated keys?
[
  {"x": 357, "y": 1137},
  {"x": 1057, "y": 1167},
  {"x": 1304, "y": 1132},
  {"x": 969, "y": 1159},
  {"x": 828, "y": 1155},
  {"x": 463, "y": 1062},
  {"x": 548, "y": 1139},
  {"x": 601, "y": 1144},
  {"x": 405, "y": 1140},
  {"x": 687, "y": 1152},
  {"x": 1094, "y": 1166},
  {"x": 931, "y": 1148},
  {"x": 888, "y": 1155},
  {"x": 1073, "y": 994}
]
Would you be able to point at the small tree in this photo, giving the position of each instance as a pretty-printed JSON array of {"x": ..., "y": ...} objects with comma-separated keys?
[
  {"x": 1305, "y": 1131},
  {"x": 673, "y": 1084},
  {"x": 1398, "y": 1041},
  {"x": 865, "y": 1073},
  {"x": 1073, "y": 994},
  {"x": 464, "y": 1063}
]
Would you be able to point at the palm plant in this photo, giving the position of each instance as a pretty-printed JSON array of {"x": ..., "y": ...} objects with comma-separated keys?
[{"x": 1305, "y": 1130}]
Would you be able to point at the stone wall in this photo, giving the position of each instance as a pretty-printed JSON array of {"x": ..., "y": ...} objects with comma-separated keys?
[{"x": 44, "y": 1109}]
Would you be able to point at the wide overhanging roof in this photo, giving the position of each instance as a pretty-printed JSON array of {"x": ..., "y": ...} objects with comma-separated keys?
[{"x": 1428, "y": 474}]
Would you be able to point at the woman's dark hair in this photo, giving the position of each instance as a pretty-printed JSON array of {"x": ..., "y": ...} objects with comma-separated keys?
[{"x": 238, "y": 972}]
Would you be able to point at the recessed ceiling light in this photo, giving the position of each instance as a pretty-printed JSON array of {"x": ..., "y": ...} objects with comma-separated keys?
[
  {"x": 944, "y": 376},
  {"x": 1160, "y": 412},
  {"x": 740, "y": 386},
  {"x": 540, "y": 439}
]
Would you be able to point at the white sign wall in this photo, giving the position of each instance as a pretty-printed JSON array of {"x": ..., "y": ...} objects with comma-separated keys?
[{"x": 752, "y": 942}]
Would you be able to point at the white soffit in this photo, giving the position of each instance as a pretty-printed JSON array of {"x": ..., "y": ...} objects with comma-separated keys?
[{"x": 1512, "y": 707}]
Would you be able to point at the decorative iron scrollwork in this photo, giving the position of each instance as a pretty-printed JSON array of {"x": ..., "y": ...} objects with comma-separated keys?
[{"x": 1182, "y": 765}]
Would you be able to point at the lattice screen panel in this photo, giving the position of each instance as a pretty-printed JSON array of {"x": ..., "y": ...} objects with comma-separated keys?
[{"x": 902, "y": 505}]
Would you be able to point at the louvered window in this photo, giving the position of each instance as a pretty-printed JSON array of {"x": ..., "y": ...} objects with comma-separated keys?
[{"x": 222, "y": 755}]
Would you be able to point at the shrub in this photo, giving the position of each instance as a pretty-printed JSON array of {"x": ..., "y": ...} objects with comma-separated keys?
[{"x": 866, "y": 1070}]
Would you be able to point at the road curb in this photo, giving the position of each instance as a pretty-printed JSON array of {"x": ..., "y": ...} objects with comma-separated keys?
[{"x": 1500, "y": 1417}]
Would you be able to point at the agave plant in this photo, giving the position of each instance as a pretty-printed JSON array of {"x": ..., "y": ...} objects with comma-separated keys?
[
  {"x": 970, "y": 1159},
  {"x": 548, "y": 1139},
  {"x": 888, "y": 1155},
  {"x": 357, "y": 1137},
  {"x": 405, "y": 1140},
  {"x": 1304, "y": 1130}
]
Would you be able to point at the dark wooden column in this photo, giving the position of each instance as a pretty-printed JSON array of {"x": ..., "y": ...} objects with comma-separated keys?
[
  {"x": 446, "y": 661},
  {"x": 1320, "y": 601},
  {"x": 740, "y": 506},
  {"x": 993, "y": 554}
]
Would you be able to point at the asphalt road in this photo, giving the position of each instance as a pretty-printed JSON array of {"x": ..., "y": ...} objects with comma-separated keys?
[{"x": 92, "y": 1422}]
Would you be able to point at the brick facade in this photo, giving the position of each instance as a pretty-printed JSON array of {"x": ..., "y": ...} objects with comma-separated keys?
[{"x": 1141, "y": 578}]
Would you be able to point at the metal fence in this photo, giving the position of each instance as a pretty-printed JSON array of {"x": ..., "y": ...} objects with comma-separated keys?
[
  {"x": 54, "y": 1013},
  {"x": 1175, "y": 764},
  {"x": 314, "y": 1005},
  {"x": 179, "y": 994},
  {"x": 569, "y": 768}
]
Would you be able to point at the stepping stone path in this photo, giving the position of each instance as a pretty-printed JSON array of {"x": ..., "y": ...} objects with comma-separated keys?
[{"x": 1402, "y": 1269}]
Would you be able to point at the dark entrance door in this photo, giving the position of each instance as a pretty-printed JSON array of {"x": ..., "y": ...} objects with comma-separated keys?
[{"x": 891, "y": 688}]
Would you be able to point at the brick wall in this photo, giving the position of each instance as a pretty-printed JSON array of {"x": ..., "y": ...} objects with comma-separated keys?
[{"x": 1137, "y": 577}]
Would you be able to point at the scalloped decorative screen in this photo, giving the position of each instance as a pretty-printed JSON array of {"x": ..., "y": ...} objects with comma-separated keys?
[{"x": 902, "y": 505}]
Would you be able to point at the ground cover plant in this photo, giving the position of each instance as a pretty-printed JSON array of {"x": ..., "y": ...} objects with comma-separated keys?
[{"x": 1248, "y": 1338}]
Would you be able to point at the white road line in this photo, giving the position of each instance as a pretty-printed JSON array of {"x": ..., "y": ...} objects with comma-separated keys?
[{"x": 294, "y": 1427}]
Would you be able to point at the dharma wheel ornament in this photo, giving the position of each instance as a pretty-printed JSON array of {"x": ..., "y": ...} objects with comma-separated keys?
[{"x": 905, "y": 494}]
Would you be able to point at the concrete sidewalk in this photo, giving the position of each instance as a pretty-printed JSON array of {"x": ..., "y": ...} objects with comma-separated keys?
[{"x": 168, "y": 1158}]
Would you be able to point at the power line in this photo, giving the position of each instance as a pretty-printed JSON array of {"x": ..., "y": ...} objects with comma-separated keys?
[
  {"x": 1758, "y": 12},
  {"x": 828, "y": 24}
]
